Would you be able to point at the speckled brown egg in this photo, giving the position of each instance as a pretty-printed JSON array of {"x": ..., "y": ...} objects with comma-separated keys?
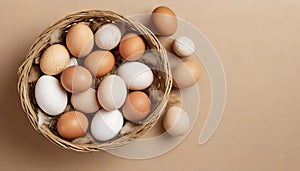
[{"x": 54, "y": 59}]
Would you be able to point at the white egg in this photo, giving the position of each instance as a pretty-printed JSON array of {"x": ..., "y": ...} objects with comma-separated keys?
[
  {"x": 106, "y": 125},
  {"x": 50, "y": 95},
  {"x": 183, "y": 46},
  {"x": 108, "y": 36},
  {"x": 112, "y": 92},
  {"x": 72, "y": 62},
  {"x": 137, "y": 76}
]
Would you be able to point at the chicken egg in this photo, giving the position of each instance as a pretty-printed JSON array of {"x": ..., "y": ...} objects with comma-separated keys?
[
  {"x": 176, "y": 121},
  {"x": 72, "y": 124},
  {"x": 50, "y": 95},
  {"x": 112, "y": 92},
  {"x": 99, "y": 62},
  {"x": 183, "y": 46},
  {"x": 80, "y": 40},
  {"x": 132, "y": 47},
  {"x": 186, "y": 74},
  {"x": 108, "y": 36},
  {"x": 54, "y": 59},
  {"x": 136, "y": 75},
  {"x": 76, "y": 79},
  {"x": 106, "y": 124},
  {"x": 86, "y": 101},
  {"x": 136, "y": 107},
  {"x": 164, "y": 20}
]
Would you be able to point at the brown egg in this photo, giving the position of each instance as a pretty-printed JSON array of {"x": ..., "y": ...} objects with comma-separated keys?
[
  {"x": 186, "y": 74},
  {"x": 99, "y": 62},
  {"x": 80, "y": 40},
  {"x": 76, "y": 79},
  {"x": 86, "y": 101},
  {"x": 176, "y": 121},
  {"x": 164, "y": 20},
  {"x": 132, "y": 47},
  {"x": 136, "y": 107},
  {"x": 54, "y": 59},
  {"x": 72, "y": 124}
]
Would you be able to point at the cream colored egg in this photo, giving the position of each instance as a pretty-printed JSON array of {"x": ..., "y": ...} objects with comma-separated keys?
[
  {"x": 112, "y": 92},
  {"x": 176, "y": 121},
  {"x": 108, "y": 36},
  {"x": 86, "y": 101},
  {"x": 183, "y": 46},
  {"x": 136, "y": 75},
  {"x": 54, "y": 59}
]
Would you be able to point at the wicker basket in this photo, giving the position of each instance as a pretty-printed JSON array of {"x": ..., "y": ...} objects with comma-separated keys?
[{"x": 56, "y": 34}]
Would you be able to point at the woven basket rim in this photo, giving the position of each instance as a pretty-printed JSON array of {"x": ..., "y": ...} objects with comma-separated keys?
[{"x": 39, "y": 45}]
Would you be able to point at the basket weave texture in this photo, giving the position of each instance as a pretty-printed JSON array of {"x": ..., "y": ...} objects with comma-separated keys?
[{"x": 161, "y": 85}]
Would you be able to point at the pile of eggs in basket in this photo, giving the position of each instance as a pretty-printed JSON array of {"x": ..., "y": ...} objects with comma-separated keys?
[{"x": 120, "y": 95}]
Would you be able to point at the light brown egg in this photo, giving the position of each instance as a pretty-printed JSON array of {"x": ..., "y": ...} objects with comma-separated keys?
[
  {"x": 186, "y": 74},
  {"x": 176, "y": 121},
  {"x": 86, "y": 101},
  {"x": 132, "y": 47},
  {"x": 112, "y": 92},
  {"x": 164, "y": 20},
  {"x": 99, "y": 62},
  {"x": 136, "y": 107},
  {"x": 76, "y": 79},
  {"x": 72, "y": 124},
  {"x": 54, "y": 59},
  {"x": 80, "y": 40}
]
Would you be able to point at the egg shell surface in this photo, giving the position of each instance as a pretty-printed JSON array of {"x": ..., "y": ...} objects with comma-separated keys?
[
  {"x": 86, "y": 101},
  {"x": 76, "y": 79},
  {"x": 136, "y": 75},
  {"x": 80, "y": 40},
  {"x": 112, "y": 92},
  {"x": 108, "y": 36},
  {"x": 50, "y": 95},
  {"x": 106, "y": 124},
  {"x": 72, "y": 124},
  {"x": 176, "y": 121},
  {"x": 54, "y": 59}
]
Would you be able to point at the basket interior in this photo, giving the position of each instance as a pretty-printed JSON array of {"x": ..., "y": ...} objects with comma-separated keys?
[{"x": 155, "y": 57}]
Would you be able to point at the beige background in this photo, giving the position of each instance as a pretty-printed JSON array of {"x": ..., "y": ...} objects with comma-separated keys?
[{"x": 258, "y": 42}]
